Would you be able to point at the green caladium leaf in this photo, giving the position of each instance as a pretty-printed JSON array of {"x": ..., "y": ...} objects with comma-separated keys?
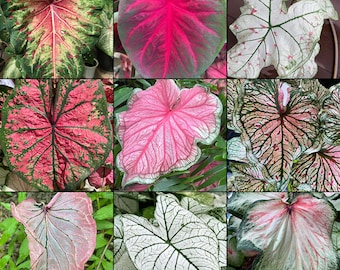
[
  {"x": 290, "y": 234},
  {"x": 179, "y": 240},
  {"x": 270, "y": 34}
]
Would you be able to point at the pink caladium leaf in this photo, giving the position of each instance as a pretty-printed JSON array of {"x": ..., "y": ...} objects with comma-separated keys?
[
  {"x": 319, "y": 171},
  {"x": 290, "y": 234},
  {"x": 272, "y": 137},
  {"x": 103, "y": 176},
  {"x": 160, "y": 130},
  {"x": 49, "y": 37},
  {"x": 172, "y": 39},
  {"x": 61, "y": 234},
  {"x": 270, "y": 34},
  {"x": 332, "y": 116},
  {"x": 56, "y": 134}
]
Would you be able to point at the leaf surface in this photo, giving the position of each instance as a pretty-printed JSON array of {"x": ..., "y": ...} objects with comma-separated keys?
[
  {"x": 292, "y": 235},
  {"x": 161, "y": 128},
  {"x": 180, "y": 241},
  {"x": 62, "y": 234},
  {"x": 172, "y": 39},
  {"x": 332, "y": 118},
  {"x": 56, "y": 137},
  {"x": 269, "y": 34},
  {"x": 49, "y": 37}
]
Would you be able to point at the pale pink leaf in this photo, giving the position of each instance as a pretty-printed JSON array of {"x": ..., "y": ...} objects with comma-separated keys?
[
  {"x": 160, "y": 130},
  {"x": 290, "y": 235},
  {"x": 62, "y": 234}
]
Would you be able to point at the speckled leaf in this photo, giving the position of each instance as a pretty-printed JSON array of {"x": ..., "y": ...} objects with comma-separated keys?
[
  {"x": 319, "y": 170},
  {"x": 49, "y": 37},
  {"x": 290, "y": 235},
  {"x": 275, "y": 137},
  {"x": 332, "y": 116},
  {"x": 180, "y": 241},
  {"x": 160, "y": 130},
  {"x": 172, "y": 39},
  {"x": 55, "y": 136},
  {"x": 269, "y": 34},
  {"x": 61, "y": 234}
]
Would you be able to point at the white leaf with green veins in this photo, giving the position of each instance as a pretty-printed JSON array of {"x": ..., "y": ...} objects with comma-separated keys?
[
  {"x": 181, "y": 241},
  {"x": 270, "y": 34}
]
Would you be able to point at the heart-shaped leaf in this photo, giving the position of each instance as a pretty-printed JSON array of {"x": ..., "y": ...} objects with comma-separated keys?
[
  {"x": 290, "y": 235},
  {"x": 49, "y": 37},
  {"x": 61, "y": 234},
  {"x": 275, "y": 137},
  {"x": 160, "y": 130},
  {"x": 56, "y": 136},
  {"x": 269, "y": 34},
  {"x": 173, "y": 39},
  {"x": 180, "y": 241}
]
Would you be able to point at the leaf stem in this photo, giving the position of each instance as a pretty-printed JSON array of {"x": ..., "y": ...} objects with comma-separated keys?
[{"x": 102, "y": 256}]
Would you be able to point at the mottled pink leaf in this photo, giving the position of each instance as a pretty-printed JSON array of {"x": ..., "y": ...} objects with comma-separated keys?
[
  {"x": 61, "y": 234},
  {"x": 290, "y": 234},
  {"x": 161, "y": 128},
  {"x": 172, "y": 39},
  {"x": 103, "y": 176},
  {"x": 52, "y": 35},
  {"x": 56, "y": 136}
]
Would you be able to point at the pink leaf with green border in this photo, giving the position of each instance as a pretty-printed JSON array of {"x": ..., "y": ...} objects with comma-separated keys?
[
  {"x": 270, "y": 34},
  {"x": 319, "y": 170},
  {"x": 56, "y": 136},
  {"x": 160, "y": 130},
  {"x": 274, "y": 137},
  {"x": 61, "y": 234},
  {"x": 172, "y": 39},
  {"x": 290, "y": 235},
  {"x": 50, "y": 36}
]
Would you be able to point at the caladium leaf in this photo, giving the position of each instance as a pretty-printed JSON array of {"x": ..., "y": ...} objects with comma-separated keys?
[
  {"x": 320, "y": 170},
  {"x": 290, "y": 235},
  {"x": 61, "y": 234},
  {"x": 177, "y": 39},
  {"x": 161, "y": 128},
  {"x": 49, "y": 37},
  {"x": 180, "y": 241},
  {"x": 55, "y": 136},
  {"x": 274, "y": 138},
  {"x": 270, "y": 34}
]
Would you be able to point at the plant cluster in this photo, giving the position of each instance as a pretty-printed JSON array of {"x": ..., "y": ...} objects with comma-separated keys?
[
  {"x": 289, "y": 135},
  {"x": 174, "y": 231}
]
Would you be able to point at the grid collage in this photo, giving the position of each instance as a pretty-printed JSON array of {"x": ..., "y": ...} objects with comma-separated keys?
[{"x": 283, "y": 135}]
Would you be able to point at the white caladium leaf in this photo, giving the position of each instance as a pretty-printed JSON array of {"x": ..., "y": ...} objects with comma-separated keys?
[
  {"x": 180, "y": 241},
  {"x": 290, "y": 235},
  {"x": 118, "y": 243},
  {"x": 272, "y": 136},
  {"x": 234, "y": 94},
  {"x": 270, "y": 34},
  {"x": 319, "y": 170},
  {"x": 236, "y": 150}
]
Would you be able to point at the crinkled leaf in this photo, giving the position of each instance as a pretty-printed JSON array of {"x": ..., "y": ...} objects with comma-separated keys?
[
  {"x": 319, "y": 170},
  {"x": 234, "y": 93},
  {"x": 292, "y": 235},
  {"x": 180, "y": 241},
  {"x": 160, "y": 130},
  {"x": 62, "y": 234},
  {"x": 176, "y": 39},
  {"x": 50, "y": 36},
  {"x": 272, "y": 136},
  {"x": 54, "y": 137},
  {"x": 269, "y": 34}
]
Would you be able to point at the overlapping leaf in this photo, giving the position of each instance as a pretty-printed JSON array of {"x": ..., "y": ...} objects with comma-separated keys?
[
  {"x": 62, "y": 234},
  {"x": 320, "y": 170},
  {"x": 160, "y": 130},
  {"x": 180, "y": 241},
  {"x": 290, "y": 235},
  {"x": 49, "y": 37},
  {"x": 172, "y": 39},
  {"x": 274, "y": 138},
  {"x": 56, "y": 137},
  {"x": 269, "y": 34}
]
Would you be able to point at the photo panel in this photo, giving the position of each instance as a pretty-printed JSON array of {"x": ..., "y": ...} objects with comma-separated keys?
[{"x": 170, "y": 135}]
